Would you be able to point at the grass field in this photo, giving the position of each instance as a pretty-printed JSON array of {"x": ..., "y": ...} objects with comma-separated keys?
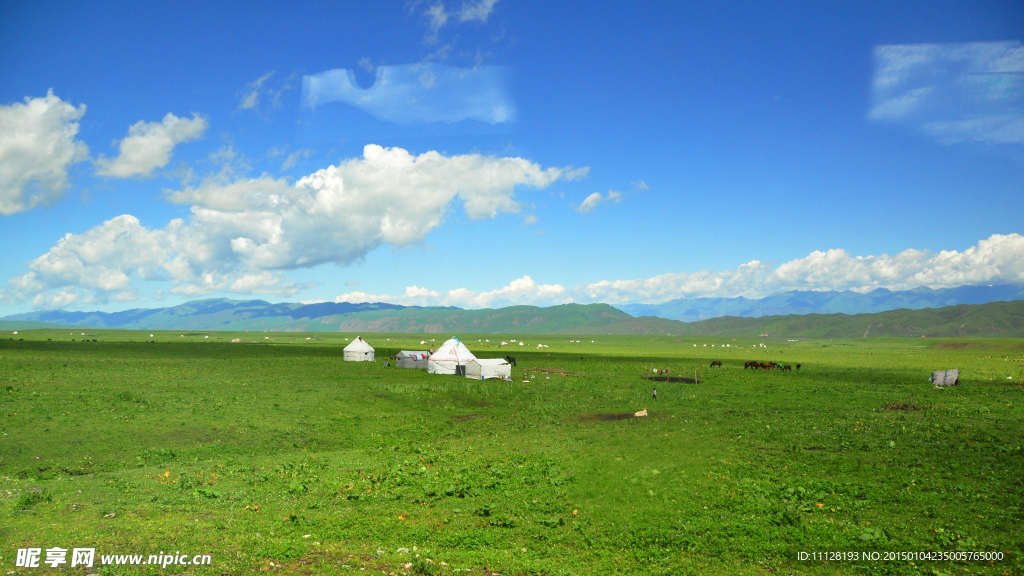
[{"x": 273, "y": 454}]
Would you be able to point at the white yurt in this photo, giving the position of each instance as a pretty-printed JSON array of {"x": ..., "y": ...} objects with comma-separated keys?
[
  {"x": 412, "y": 359},
  {"x": 450, "y": 358},
  {"x": 486, "y": 368},
  {"x": 358, "y": 351}
]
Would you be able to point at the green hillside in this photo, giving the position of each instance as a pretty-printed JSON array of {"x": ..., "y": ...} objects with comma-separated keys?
[
  {"x": 32, "y": 325},
  {"x": 1003, "y": 319}
]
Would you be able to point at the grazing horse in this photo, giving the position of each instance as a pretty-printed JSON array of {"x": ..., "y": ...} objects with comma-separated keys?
[
  {"x": 797, "y": 367},
  {"x": 750, "y": 365},
  {"x": 716, "y": 363},
  {"x": 787, "y": 367},
  {"x": 510, "y": 360}
]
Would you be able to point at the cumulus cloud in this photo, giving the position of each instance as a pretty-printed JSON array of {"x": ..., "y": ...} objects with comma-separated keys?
[
  {"x": 243, "y": 233},
  {"x": 998, "y": 259},
  {"x": 37, "y": 146},
  {"x": 520, "y": 291},
  {"x": 594, "y": 200},
  {"x": 969, "y": 92},
  {"x": 148, "y": 145}
]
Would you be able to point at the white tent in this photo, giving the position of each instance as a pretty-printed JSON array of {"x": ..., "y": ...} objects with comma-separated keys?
[
  {"x": 450, "y": 358},
  {"x": 408, "y": 359},
  {"x": 358, "y": 351},
  {"x": 484, "y": 368}
]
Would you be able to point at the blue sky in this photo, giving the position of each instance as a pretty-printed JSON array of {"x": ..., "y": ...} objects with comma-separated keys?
[{"x": 485, "y": 153}]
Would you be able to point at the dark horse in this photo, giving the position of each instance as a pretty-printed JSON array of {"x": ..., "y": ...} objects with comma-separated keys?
[
  {"x": 716, "y": 363},
  {"x": 787, "y": 367},
  {"x": 510, "y": 360},
  {"x": 797, "y": 367}
]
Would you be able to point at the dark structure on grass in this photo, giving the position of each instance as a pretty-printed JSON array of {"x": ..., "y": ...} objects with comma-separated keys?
[{"x": 946, "y": 377}]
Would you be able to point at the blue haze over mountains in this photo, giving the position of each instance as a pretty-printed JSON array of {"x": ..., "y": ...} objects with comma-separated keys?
[
  {"x": 223, "y": 314},
  {"x": 810, "y": 302}
]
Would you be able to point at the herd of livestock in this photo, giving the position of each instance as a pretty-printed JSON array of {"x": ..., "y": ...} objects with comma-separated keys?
[{"x": 765, "y": 366}]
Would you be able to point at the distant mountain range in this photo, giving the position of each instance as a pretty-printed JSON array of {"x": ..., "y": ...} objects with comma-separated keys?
[
  {"x": 995, "y": 319},
  {"x": 750, "y": 319},
  {"x": 255, "y": 315},
  {"x": 802, "y": 302}
]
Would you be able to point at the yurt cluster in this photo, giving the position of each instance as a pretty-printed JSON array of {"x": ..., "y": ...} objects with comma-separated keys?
[{"x": 452, "y": 357}]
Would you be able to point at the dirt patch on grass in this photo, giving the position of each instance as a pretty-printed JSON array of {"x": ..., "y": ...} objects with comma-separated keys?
[
  {"x": 607, "y": 416},
  {"x": 465, "y": 418},
  {"x": 953, "y": 345},
  {"x": 672, "y": 379},
  {"x": 904, "y": 406},
  {"x": 554, "y": 371},
  {"x": 813, "y": 448}
]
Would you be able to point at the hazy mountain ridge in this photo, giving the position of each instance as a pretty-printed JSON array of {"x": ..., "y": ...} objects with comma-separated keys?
[
  {"x": 809, "y": 302},
  {"x": 995, "y": 319},
  {"x": 223, "y": 314},
  {"x": 965, "y": 320}
]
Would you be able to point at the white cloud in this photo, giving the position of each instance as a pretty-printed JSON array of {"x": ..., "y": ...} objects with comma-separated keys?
[
  {"x": 438, "y": 16},
  {"x": 37, "y": 146},
  {"x": 426, "y": 92},
  {"x": 292, "y": 158},
  {"x": 952, "y": 92},
  {"x": 640, "y": 185},
  {"x": 998, "y": 259},
  {"x": 251, "y": 95},
  {"x": 244, "y": 232},
  {"x": 530, "y": 220},
  {"x": 265, "y": 283},
  {"x": 520, "y": 291},
  {"x": 594, "y": 200},
  {"x": 264, "y": 93},
  {"x": 477, "y": 11},
  {"x": 148, "y": 145}
]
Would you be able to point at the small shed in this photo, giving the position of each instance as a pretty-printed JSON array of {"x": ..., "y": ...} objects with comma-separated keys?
[
  {"x": 486, "y": 368},
  {"x": 412, "y": 359},
  {"x": 359, "y": 351},
  {"x": 946, "y": 377}
]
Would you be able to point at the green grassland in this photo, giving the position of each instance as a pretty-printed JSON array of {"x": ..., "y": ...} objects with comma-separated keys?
[{"x": 274, "y": 454}]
